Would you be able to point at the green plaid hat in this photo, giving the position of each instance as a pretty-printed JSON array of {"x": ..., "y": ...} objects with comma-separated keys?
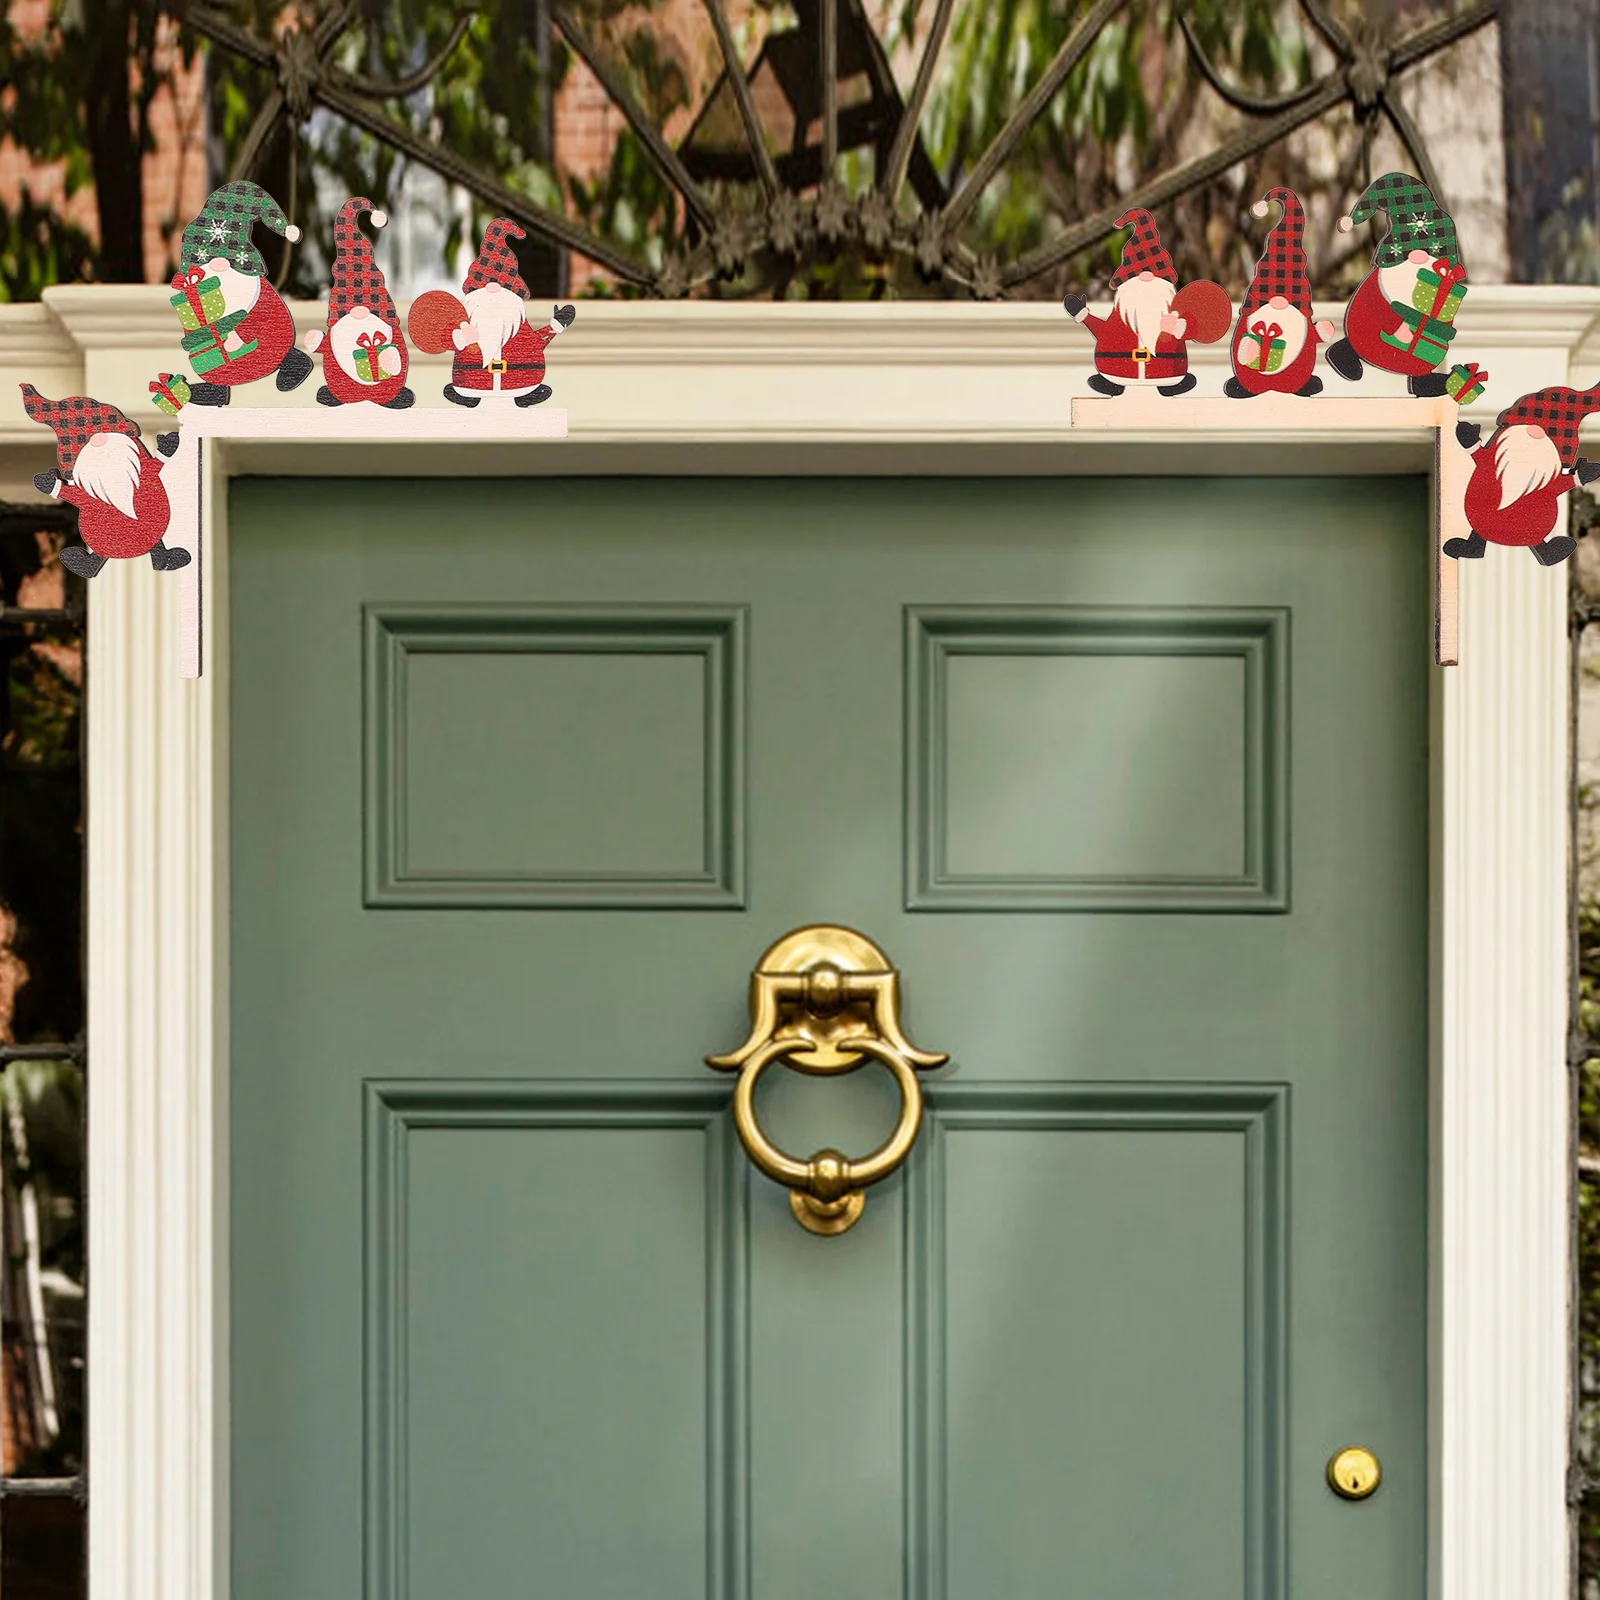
[
  {"x": 1416, "y": 220},
  {"x": 223, "y": 227},
  {"x": 76, "y": 420}
]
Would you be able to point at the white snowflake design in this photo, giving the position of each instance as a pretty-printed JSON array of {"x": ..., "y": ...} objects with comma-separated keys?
[{"x": 219, "y": 232}]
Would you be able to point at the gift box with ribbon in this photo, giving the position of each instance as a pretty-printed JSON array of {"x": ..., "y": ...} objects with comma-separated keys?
[
  {"x": 171, "y": 392},
  {"x": 1269, "y": 347},
  {"x": 1427, "y": 323},
  {"x": 368, "y": 353},
  {"x": 1466, "y": 382},
  {"x": 199, "y": 298},
  {"x": 205, "y": 347}
]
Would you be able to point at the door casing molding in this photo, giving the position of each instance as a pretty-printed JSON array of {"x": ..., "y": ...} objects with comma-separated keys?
[{"x": 714, "y": 389}]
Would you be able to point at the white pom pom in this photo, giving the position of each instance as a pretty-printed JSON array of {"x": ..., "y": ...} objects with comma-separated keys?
[
  {"x": 1259, "y": 209},
  {"x": 1345, "y": 224},
  {"x": 292, "y": 234},
  {"x": 380, "y": 219}
]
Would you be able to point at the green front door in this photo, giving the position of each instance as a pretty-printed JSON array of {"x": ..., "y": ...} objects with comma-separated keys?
[{"x": 1129, "y": 779}]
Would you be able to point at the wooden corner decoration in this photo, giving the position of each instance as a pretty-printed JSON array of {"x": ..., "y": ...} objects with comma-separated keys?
[
  {"x": 103, "y": 468},
  {"x": 1403, "y": 317},
  {"x": 499, "y": 353},
  {"x": 1521, "y": 474},
  {"x": 235, "y": 329},
  {"x": 1144, "y": 342},
  {"x": 1276, "y": 339}
]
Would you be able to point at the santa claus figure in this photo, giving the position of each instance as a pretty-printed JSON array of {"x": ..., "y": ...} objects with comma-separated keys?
[
  {"x": 1145, "y": 339},
  {"x": 105, "y": 471},
  {"x": 1521, "y": 473},
  {"x": 363, "y": 353},
  {"x": 496, "y": 349},
  {"x": 1275, "y": 341},
  {"x": 239, "y": 327},
  {"x": 1402, "y": 318}
]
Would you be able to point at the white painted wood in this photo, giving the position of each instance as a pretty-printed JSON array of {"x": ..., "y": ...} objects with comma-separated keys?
[{"x": 867, "y": 389}]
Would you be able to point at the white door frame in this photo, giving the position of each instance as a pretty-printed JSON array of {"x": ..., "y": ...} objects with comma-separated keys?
[{"x": 818, "y": 389}]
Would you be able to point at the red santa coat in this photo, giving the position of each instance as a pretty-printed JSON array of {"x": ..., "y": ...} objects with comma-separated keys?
[
  {"x": 1118, "y": 353},
  {"x": 1290, "y": 378},
  {"x": 1367, "y": 318},
  {"x": 107, "y": 531},
  {"x": 1528, "y": 521},
  {"x": 520, "y": 367},
  {"x": 272, "y": 328}
]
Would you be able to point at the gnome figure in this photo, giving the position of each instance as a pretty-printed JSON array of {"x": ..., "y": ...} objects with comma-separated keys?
[
  {"x": 106, "y": 472},
  {"x": 238, "y": 328},
  {"x": 1275, "y": 342},
  {"x": 363, "y": 352},
  {"x": 1521, "y": 472},
  {"x": 1402, "y": 318},
  {"x": 496, "y": 349},
  {"x": 1145, "y": 339}
]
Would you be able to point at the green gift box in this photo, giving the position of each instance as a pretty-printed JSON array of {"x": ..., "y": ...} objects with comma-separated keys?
[
  {"x": 368, "y": 351},
  {"x": 171, "y": 393},
  {"x": 198, "y": 300},
  {"x": 204, "y": 345}
]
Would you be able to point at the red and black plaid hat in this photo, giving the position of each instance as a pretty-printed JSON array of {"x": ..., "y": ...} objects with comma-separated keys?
[
  {"x": 1282, "y": 267},
  {"x": 76, "y": 420},
  {"x": 357, "y": 278},
  {"x": 496, "y": 262},
  {"x": 1559, "y": 411},
  {"x": 1143, "y": 251}
]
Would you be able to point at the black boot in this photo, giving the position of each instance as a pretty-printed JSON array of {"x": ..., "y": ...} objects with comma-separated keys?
[
  {"x": 401, "y": 402},
  {"x": 165, "y": 560},
  {"x": 1428, "y": 387},
  {"x": 1312, "y": 385},
  {"x": 1343, "y": 359},
  {"x": 167, "y": 443},
  {"x": 1103, "y": 385},
  {"x": 1182, "y": 386},
  {"x": 80, "y": 559},
  {"x": 1468, "y": 434},
  {"x": 1235, "y": 390},
  {"x": 209, "y": 394},
  {"x": 535, "y": 397},
  {"x": 1469, "y": 549},
  {"x": 293, "y": 370},
  {"x": 1554, "y": 550},
  {"x": 326, "y": 397},
  {"x": 459, "y": 397}
]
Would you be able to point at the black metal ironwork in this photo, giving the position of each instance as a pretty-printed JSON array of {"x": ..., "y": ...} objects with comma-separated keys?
[{"x": 803, "y": 208}]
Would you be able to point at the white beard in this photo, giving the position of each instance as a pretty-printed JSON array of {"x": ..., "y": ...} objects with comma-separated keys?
[
  {"x": 109, "y": 469},
  {"x": 1399, "y": 283},
  {"x": 342, "y": 342},
  {"x": 240, "y": 290},
  {"x": 1293, "y": 326},
  {"x": 495, "y": 314},
  {"x": 1525, "y": 460},
  {"x": 1142, "y": 304}
]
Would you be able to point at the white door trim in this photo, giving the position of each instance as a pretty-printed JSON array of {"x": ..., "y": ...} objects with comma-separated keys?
[{"x": 887, "y": 388}]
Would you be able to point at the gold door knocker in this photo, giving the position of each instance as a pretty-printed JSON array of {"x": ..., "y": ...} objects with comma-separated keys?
[{"x": 823, "y": 1000}]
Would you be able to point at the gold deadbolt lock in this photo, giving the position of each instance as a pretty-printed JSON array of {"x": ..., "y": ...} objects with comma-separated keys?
[
  {"x": 823, "y": 1000},
  {"x": 1354, "y": 1474}
]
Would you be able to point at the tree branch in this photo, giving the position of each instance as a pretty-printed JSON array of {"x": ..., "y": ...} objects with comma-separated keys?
[
  {"x": 261, "y": 134},
  {"x": 829, "y": 78},
  {"x": 1416, "y": 146},
  {"x": 1336, "y": 39}
]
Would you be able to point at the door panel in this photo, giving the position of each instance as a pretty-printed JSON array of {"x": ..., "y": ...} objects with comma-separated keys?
[{"x": 1129, "y": 782}]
